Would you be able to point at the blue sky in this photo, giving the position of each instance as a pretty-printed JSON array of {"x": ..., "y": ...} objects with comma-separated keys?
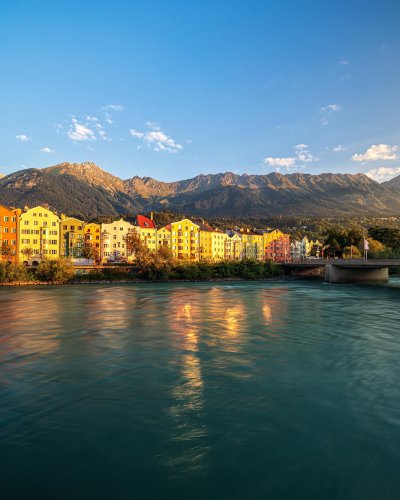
[{"x": 171, "y": 89}]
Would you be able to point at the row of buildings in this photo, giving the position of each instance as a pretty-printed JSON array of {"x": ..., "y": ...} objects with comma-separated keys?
[{"x": 29, "y": 235}]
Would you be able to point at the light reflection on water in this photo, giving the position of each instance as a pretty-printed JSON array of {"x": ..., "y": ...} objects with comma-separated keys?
[{"x": 240, "y": 390}]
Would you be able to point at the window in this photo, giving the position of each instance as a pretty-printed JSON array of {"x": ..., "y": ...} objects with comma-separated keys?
[
  {"x": 14, "y": 219},
  {"x": 6, "y": 219},
  {"x": 35, "y": 223},
  {"x": 40, "y": 215},
  {"x": 64, "y": 228},
  {"x": 44, "y": 223},
  {"x": 45, "y": 215},
  {"x": 26, "y": 223},
  {"x": 53, "y": 223}
]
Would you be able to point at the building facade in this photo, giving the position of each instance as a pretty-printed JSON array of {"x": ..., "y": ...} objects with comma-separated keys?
[
  {"x": 276, "y": 245},
  {"x": 9, "y": 219},
  {"x": 113, "y": 244},
  {"x": 252, "y": 244},
  {"x": 147, "y": 231},
  {"x": 164, "y": 236},
  {"x": 185, "y": 240},
  {"x": 72, "y": 237},
  {"x": 39, "y": 235}
]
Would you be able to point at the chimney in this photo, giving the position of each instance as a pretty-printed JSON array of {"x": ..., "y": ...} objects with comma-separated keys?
[{"x": 151, "y": 215}]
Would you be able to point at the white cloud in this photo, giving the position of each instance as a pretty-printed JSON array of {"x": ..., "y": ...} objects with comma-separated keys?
[
  {"x": 279, "y": 162},
  {"x": 383, "y": 174},
  {"x": 378, "y": 152},
  {"x": 344, "y": 62},
  {"x": 327, "y": 111},
  {"x": 80, "y": 132},
  {"x": 302, "y": 155},
  {"x": 23, "y": 138},
  {"x": 338, "y": 149},
  {"x": 156, "y": 139},
  {"x": 46, "y": 150},
  {"x": 90, "y": 118},
  {"x": 112, "y": 107}
]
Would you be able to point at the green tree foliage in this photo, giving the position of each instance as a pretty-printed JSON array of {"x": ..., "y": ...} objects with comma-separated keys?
[
  {"x": 56, "y": 271},
  {"x": 389, "y": 237},
  {"x": 14, "y": 273}
]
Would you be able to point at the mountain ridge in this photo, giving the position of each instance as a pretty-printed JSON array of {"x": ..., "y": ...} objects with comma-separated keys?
[{"x": 87, "y": 190}]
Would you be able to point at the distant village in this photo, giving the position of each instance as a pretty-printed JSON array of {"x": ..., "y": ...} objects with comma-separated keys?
[{"x": 33, "y": 234}]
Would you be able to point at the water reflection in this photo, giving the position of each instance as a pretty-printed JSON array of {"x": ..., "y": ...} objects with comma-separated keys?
[
  {"x": 185, "y": 317},
  {"x": 32, "y": 326}
]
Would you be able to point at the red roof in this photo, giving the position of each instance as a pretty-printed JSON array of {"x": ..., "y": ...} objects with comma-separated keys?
[{"x": 145, "y": 222}]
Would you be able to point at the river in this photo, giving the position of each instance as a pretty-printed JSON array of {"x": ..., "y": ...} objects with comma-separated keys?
[{"x": 239, "y": 390}]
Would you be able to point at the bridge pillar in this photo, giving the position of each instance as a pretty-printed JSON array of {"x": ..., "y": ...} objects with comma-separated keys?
[{"x": 336, "y": 274}]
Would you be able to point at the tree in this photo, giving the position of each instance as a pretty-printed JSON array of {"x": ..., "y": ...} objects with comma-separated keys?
[
  {"x": 56, "y": 271},
  {"x": 387, "y": 236},
  {"x": 27, "y": 252},
  {"x": 89, "y": 252},
  {"x": 6, "y": 250},
  {"x": 351, "y": 252}
]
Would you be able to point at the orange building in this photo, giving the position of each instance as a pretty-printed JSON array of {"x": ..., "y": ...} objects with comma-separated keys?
[{"x": 9, "y": 234}]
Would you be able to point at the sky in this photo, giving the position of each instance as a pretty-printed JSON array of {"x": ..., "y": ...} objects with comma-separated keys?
[{"x": 172, "y": 89}]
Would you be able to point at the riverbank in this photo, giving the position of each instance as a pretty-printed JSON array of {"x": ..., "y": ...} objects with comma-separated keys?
[
  {"x": 62, "y": 272},
  {"x": 133, "y": 281}
]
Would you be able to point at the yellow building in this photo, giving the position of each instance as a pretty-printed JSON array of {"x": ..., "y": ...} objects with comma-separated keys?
[
  {"x": 147, "y": 231},
  {"x": 72, "y": 237},
  {"x": 206, "y": 242},
  {"x": 219, "y": 242},
  {"x": 92, "y": 236},
  {"x": 164, "y": 236},
  {"x": 113, "y": 245},
  {"x": 252, "y": 244},
  {"x": 185, "y": 240},
  {"x": 39, "y": 235}
]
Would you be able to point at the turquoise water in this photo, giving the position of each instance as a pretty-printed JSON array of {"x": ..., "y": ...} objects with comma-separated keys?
[{"x": 278, "y": 390}]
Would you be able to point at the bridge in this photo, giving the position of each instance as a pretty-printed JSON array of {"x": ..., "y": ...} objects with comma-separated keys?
[{"x": 343, "y": 270}]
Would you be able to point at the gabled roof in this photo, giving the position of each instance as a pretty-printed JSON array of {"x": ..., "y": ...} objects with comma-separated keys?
[{"x": 145, "y": 222}]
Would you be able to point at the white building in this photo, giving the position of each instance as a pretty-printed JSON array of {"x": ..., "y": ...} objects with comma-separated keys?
[{"x": 113, "y": 245}]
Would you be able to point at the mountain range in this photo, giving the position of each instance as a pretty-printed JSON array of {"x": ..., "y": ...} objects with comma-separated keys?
[{"x": 85, "y": 190}]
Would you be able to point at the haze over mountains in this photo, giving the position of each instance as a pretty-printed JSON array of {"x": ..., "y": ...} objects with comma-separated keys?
[{"x": 85, "y": 190}]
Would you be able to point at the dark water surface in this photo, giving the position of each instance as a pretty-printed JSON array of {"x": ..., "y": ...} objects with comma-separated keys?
[{"x": 266, "y": 390}]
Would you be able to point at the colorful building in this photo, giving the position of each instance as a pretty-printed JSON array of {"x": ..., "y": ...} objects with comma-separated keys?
[
  {"x": 185, "y": 240},
  {"x": 206, "y": 240},
  {"x": 301, "y": 250},
  {"x": 113, "y": 244},
  {"x": 219, "y": 241},
  {"x": 164, "y": 236},
  {"x": 92, "y": 237},
  {"x": 9, "y": 219},
  {"x": 252, "y": 244},
  {"x": 276, "y": 245},
  {"x": 147, "y": 231},
  {"x": 72, "y": 237},
  {"x": 233, "y": 246},
  {"x": 39, "y": 235}
]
